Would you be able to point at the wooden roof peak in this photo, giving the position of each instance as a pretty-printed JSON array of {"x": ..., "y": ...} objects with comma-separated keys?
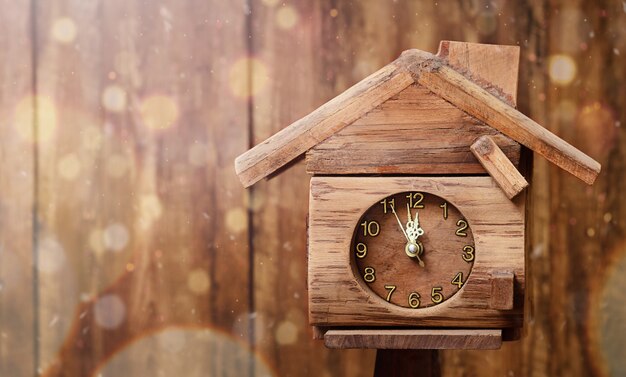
[{"x": 487, "y": 103}]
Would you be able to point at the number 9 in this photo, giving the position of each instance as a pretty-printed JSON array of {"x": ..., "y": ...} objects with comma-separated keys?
[{"x": 361, "y": 250}]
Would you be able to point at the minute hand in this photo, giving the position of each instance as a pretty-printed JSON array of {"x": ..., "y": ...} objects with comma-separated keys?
[{"x": 400, "y": 223}]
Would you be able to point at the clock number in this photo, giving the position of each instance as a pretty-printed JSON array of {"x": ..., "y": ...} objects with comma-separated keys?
[
  {"x": 390, "y": 288},
  {"x": 415, "y": 200},
  {"x": 468, "y": 253},
  {"x": 370, "y": 275},
  {"x": 444, "y": 206},
  {"x": 435, "y": 295},
  {"x": 458, "y": 280},
  {"x": 462, "y": 224},
  {"x": 391, "y": 202},
  {"x": 371, "y": 228},
  {"x": 414, "y": 300},
  {"x": 361, "y": 250}
]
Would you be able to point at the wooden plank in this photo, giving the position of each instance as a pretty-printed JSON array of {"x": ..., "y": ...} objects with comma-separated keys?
[
  {"x": 327, "y": 57},
  {"x": 499, "y": 166},
  {"x": 576, "y": 263},
  {"x": 303, "y": 134},
  {"x": 476, "y": 101},
  {"x": 137, "y": 194},
  {"x": 337, "y": 297},
  {"x": 414, "y": 132},
  {"x": 490, "y": 66},
  {"x": 502, "y": 290},
  {"x": 401, "y": 339},
  {"x": 18, "y": 335}
]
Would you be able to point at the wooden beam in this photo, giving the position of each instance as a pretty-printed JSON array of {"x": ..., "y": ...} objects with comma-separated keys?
[
  {"x": 414, "y": 339},
  {"x": 478, "y": 102},
  {"x": 493, "y": 159},
  {"x": 265, "y": 158},
  {"x": 502, "y": 290}
]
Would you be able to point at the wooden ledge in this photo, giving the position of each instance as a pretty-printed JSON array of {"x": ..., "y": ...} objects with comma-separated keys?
[{"x": 414, "y": 339}]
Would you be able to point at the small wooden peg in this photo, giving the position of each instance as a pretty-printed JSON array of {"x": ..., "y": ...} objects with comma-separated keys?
[
  {"x": 502, "y": 290},
  {"x": 498, "y": 166}
]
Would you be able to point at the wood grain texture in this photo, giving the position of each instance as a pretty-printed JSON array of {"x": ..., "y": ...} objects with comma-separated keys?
[
  {"x": 478, "y": 102},
  {"x": 577, "y": 251},
  {"x": 502, "y": 290},
  {"x": 279, "y": 206},
  {"x": 417, "y": 132},
  {"x": 135, "y": 235},
  {"x": 18, "y": 301},
  {"x": 399, "y": 339},
  {"x": 337, "y": 298},
  {"x": 498, "y": 165},
  {"x": 490, "y": 66},
  {"x": 300, "y": 136},
  {"x": 414, "y": 132}
]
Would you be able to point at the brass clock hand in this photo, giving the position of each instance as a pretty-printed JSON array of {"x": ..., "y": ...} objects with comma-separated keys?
[
  {"x": 399, "y": 223},
  {"x": 418, "y": 229},
  {"x": 419, "y": 261}
]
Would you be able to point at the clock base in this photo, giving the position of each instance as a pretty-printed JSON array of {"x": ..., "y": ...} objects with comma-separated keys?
[{"x": 412, "y": 339}]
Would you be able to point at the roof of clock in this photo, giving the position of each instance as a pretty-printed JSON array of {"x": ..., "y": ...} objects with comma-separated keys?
[{"x": 480, "y": 99}]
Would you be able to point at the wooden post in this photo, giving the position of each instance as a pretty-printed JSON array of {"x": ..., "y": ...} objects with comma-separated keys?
[{"x": 400, "y": 363}]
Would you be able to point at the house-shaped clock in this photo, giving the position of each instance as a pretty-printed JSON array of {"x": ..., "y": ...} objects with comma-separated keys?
[{"x": 417, "y": 208}]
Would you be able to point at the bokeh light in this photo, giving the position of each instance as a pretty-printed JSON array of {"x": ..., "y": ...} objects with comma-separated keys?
[
  {"x": 596, "y": 123},
  {"x": 150, "y": 209},
  {"x": 115, "y": 237},
  {"x": 334, "y": 12},
  {"x": 114, "y": 98},
  {"x": 24, "y": 118},
  {"x": 51, "y": 256},
  {"x": 116, "y": 166},
  {"x": 159, "y": 112},
  {"x": 198, "y": 154},
  {"x": 286, "y": 333},
  {"x": 91, "y": 137},
  {"x": 240, "y": 86},
  {"x": 562, "y": 69},
  {"x": 69, "y": 166},
  {"x": 236, "y": 220},
  {"x": 286, "y": 17},
  {"x": 64, "y": 30},
  {"x": 176, "y": 349},
  {"x": 96, "y": 240},
  {"x": 109, "y": 311},
  {"x": 198, "y": 281},
  {"x": 270, "y": 3}
]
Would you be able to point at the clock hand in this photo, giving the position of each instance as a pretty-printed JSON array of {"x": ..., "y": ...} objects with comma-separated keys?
[
  {"x": 419, "y": 260},
  {"x": 409, "y": 223},
  {"x": 399, "y": 223},
  {"x": 418, "y": 229}
]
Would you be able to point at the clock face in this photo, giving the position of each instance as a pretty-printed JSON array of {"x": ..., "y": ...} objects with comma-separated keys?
[{"x": 413, "y": 249}]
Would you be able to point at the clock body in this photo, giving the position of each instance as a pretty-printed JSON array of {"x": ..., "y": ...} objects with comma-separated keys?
[{"x": 361, "y": 272}]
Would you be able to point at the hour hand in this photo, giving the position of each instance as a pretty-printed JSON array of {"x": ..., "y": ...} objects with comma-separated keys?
[{"x": 416, "y": 224}]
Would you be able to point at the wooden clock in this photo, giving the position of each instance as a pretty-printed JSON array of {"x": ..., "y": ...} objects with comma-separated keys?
[{"x": 417, "y": 204}]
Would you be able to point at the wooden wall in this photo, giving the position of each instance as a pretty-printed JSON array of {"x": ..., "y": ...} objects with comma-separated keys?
[{"x": 128, "y": 247}]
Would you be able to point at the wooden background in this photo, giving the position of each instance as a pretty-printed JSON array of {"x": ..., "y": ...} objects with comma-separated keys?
[{"x": 128, "y": 247}]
